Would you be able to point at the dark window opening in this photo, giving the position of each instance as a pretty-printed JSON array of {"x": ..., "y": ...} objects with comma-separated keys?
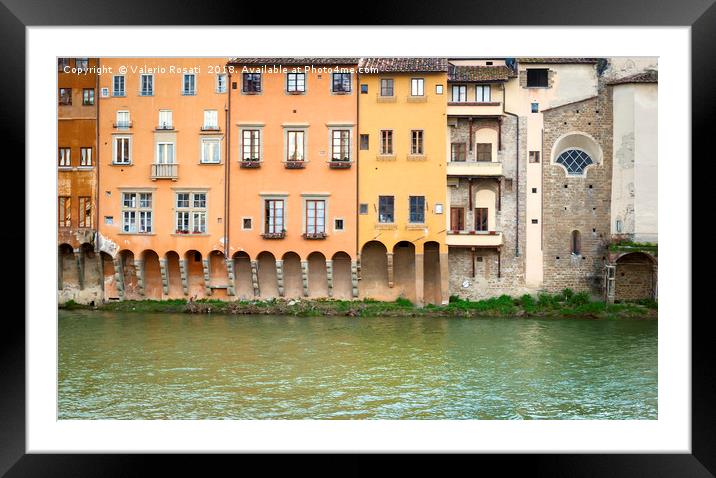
[{"x": 537, "y": 77}]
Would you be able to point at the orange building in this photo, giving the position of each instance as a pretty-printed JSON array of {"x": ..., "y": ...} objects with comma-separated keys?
[
  {"x": 293, "y": 180},
  {"x": 162, "y": 213},
  {"x": 77, "y": 178}
]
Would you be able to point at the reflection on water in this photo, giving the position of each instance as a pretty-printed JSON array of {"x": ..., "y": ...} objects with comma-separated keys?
[{"x": 160, "y": 366}]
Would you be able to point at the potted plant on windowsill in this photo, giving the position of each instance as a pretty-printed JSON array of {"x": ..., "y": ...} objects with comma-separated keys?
[{"x": 314, "y": 235}]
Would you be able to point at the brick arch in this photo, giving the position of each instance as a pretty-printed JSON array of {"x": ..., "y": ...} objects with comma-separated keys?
[{"x": 635, "y": 276}]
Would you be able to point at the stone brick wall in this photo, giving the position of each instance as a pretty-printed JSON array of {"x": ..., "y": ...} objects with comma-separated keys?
[
  {"x": 633, "y": 281},
  {"x": 486, "y": 283},
  {"x": 577, "y": 202}
]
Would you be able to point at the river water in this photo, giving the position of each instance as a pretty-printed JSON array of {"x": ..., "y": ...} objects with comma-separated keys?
[{"x": 180, "y": 366}]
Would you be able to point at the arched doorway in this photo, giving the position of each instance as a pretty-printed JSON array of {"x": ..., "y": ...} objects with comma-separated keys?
[
  {"x": 152, "y": 275},
  {"x": 374, "y": 271},
  {"x": 110, "y": 284},
  {"x": 129, "y": 275},
  {"x": 195, "y": 274},
  {"x": 243, "y": 280},
  {"x": 635, "y": 277},
  {"x": 317, "y": 275},
  {"x": 292, "y": 281},
  {"x": 268, "y": 282},
  {"x": 219, "y": 276},
  {"x": 173, "y": 271},
  {"x": 67, "y": 271},
  {"x": 404, "y": 270},
  {"x": 91, "y": 266},
  {"x": 342, "y": 281}
]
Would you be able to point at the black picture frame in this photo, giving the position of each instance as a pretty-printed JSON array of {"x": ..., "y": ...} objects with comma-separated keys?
[{"x": 700, "y": 15}]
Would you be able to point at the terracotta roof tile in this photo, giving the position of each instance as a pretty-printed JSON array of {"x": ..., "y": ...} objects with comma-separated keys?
[
  {"x": 307, "y": 61},
  {"x": 405, "y": 64},
  {"x": 464, "y": 73},
  {"x": 649, "y": 76},
  {"x": 557, "y": 60}
]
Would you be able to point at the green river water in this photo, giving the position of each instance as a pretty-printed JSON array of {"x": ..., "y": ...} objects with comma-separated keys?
[{"x": 180, "y": 366}]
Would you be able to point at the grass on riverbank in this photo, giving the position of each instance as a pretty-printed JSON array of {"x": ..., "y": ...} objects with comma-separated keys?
[{"x": 565, "y": 304}]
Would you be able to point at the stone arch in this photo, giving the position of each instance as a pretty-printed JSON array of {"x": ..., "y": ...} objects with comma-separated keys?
[
  {"x": 91, "y": 266},
  {"x": 342, "y": 281},
  {"x": 431, "y": 273},
  {"x": 374, "y": 270},
  {"x": 268, "y": 281},
  {"x": 110, "y": 284},
  {"x": 635, "y": 277},
  {"x": 152, "y": 275},
  {"x": 67, "y": 271},
  {"x": 129, "y": 275},
  {"x": 317, "y": 275},
  {"x": 195, "y": 274},
  {"x": 243, "y": 277},
  {"x": 404, "y": 270},
  {"x": 292, "y": 277},
  {"x": 173, "y": 271},
  {"x": 218, "y": 275},
  {"x": 577, "y": 141}
]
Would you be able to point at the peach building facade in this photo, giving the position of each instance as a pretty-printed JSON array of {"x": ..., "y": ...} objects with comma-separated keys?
[{"x": 293, "y": 181}]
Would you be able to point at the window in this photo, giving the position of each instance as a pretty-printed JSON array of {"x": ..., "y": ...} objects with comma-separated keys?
[
  {"x": 64, "y": 159},
  {"x": 341, "y": 145},
  {"x": 458, "y": 152},
  {"x": 534, "y": 156},
  {"x": 65, "y": 96},
  {"x": 82, "y": 63},
  {"x": 191, "y": 212},
  {"x": 417, "y": 209},
  {"x": 364, "y": 89},
  {"x": 341, "y": 83},
  {"x": 457, "y": 219},
  {"x": 482, "y": 93},
  {"x": 189, "y": 84},
  {"x": 273, "y": 216},
  {"x": 338, "y": 224},
  {"x": 417, "y": 86},
  {"x": 363, "y": 209},
  {"x": 386, "y": 209},
  {"x": 123, "y": 119},
  {"x": 251, "y": 83},
  {"x": 137, "y": 213},
  {"x": 210, "y": 150},
  {"x": 85, "y": 156},
  {"x": 386, "y": 142},
  {"x": 118, "y": 85},
  {"x": 364, "y": 143},
  {"x": 221, "y": 83},
  {"x": 165, "y": 119},
  {"x": 250, "y": 145},
  {"x": 575, "y": 161},
  {"x": 64, "y": 211},
  {"x": 459, "y": 93},
  {"x": 534, "y": 108},
  {"x": 483, "y": 152},
  {"x": 246, "y": 224},
  {"x": 438, "y": 89},
  {"x": 296, "y": 82},
  {"x": 146, "y": 85},
  {"x": 211, "y": 119},
  {"x": 62, "y": 63},
  {"x": 85, "y": 211},
  {"x": 165, "y": 153},
  {"x": 576, "y": 243},
  {"x": 122, "y": 151},
  {"x": 481, "y": 219},
  {"x": 416, "y": 142},
  {"x": 386, "y": 87},
  {"x": 87, "y": 96},
  {"x": 537, "y": 77},
  {"x": 315, "y": 216},
  {"x": 295, "y": 145}
]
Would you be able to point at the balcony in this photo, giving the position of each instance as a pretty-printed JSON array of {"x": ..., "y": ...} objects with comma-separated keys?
[
  {"x": 165, "y": 127},
  {"x": 474, "y": 239},
  {"x": 165, "y": 171},
  {"x": 250, "y": 163},
  {"x": 122, "y": 124},
  {"x": 474, "y": 168},
  {"x": 294, "y": 164},
  {"x": 464, "y": 108},
  {"x": 340, "y": 163}
]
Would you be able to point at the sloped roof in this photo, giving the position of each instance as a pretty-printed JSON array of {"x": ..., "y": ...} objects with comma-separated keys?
[
  {"x": 557, "y": 60},
  {"x": 294, "y": 61},
  {"x": 405, "y": 64},
  {"x": 648, "y": 76},
  {"x": 464, "y": 73}
]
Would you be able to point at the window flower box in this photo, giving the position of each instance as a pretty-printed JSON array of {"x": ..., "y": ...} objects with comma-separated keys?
[
  {"x": 182, "y": 231},
  {"x": 274, "y": 235},
  {"x": 295, "y": 164},
  {"x": 250, "y": 163},
  {"x": 344, "y": 163},
  {"x": 314, "y": 235}
]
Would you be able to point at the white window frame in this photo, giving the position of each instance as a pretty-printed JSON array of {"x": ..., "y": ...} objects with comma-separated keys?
[
  {"x": 242, "y": 132},
  {"x": 210, "y": 115},
  {"x": 194, "y": 215},
  {"x": 123, "y": 91},
  {"x": 480, "y": 95},
  {"x": 332, "y": 132},
  {"x": 137, "y": 212},
  {"x": 204, "y": 142},
  {"x": 306, "y": 219},
  {"x": 86, "y": 159},
  {"x": 114, "y": 149},
  {"x": 461, "y": 95},
  {"x": 287, "y": 147},
  {"x": 164, "y": 145},
  {"x": 296, "y": 82},
  {"x": 417, "y": 87},
  {"x": 184, "y": 91},
  {"x": 219, "y": 83},
  {"x": 120, "y": 123},
  {"x": 284, "y": 222},
  {"x": 166, "y": 124},
  {"x": 150, "y": 91},
  {"x": 64, "y": 160}
]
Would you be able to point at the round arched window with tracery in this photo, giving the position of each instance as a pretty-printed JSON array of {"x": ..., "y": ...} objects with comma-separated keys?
[{"x": 575, "y": 161}]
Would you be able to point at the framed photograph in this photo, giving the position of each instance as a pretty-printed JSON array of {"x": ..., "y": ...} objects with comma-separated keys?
[{"x": 405, "y": 237}]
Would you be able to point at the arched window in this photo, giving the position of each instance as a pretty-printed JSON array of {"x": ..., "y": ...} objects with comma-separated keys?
[
  {"x": 576, "y": 243},
  {"x": 574, "y": 161}
]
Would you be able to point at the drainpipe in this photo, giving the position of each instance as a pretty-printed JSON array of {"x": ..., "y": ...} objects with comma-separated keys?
[
  {"x": 227, "y": 168},
  {"x": 357, "y": 163},
  {"x": 96, "y": 162},
  {"x": 517, "y": 175}
]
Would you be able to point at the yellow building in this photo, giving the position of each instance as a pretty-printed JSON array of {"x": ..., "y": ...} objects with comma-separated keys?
[{"x": 402, "y": 218}]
